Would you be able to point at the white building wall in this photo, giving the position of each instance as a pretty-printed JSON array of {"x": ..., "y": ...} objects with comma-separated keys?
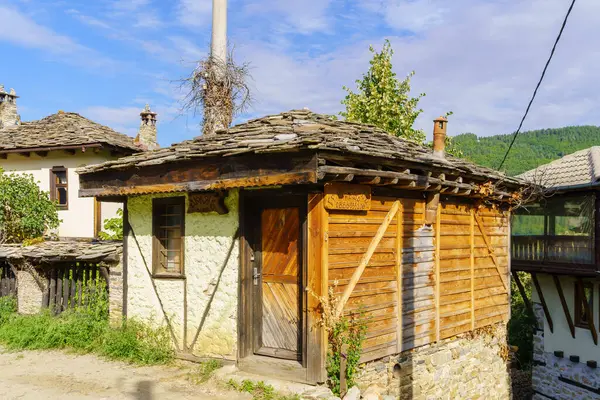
[
  {"x": 561, "y": 340},
  {"x": 556, "y": 375},
  {"x": 209, "y": 238},
  {"x": 78, "y": 220}
]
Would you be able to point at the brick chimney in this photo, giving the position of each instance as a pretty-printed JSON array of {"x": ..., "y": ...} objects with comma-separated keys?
[
  {"x": 439, "y": 136},
  {"x": 8, "y": 108},
  {"x": 439, "y": 146},
  {"x": 147, "y": 133}
]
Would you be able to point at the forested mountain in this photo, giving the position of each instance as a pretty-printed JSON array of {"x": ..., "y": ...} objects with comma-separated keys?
[{"x": 532, "y": 148}]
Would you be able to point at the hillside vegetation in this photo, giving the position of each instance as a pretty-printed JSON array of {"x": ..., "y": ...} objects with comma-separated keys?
[{"x": 532, "y": 148}]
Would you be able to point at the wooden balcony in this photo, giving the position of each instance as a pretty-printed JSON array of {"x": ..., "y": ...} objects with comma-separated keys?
[{"x": 573, "y": 255}]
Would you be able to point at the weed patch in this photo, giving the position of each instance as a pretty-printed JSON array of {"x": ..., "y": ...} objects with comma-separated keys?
[
  {"x": 204, "y": 371},
  {"x": 259, "y": 390},
  {"x": 84, "y": 330}
]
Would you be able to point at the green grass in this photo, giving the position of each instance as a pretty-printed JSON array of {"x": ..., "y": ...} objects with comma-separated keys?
[
  {"x": 84, "y": 330},
  {"x": 259, "y": 390},
  {"x": 205, "y": 371}
]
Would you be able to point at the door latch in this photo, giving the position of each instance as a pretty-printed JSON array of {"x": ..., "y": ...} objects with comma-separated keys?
[{"x": 255, "y": 275}]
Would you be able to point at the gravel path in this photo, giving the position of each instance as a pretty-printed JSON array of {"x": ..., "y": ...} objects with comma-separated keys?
[{"x": 59, "y": 375}]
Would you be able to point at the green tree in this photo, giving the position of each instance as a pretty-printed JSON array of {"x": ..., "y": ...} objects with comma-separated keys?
[
  {"x": 383, "y": 100},
  {"x": 26, "y": 212},
  {"x": 113, "y": 227}
]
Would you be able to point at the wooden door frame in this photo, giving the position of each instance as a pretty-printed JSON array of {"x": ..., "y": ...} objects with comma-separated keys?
[{"x": 246, "y": 295}]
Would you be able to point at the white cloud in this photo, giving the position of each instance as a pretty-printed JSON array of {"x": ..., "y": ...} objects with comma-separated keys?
[
  {"x": 195, "y": 13},
  {"x": 481, "y": 61},
  {"x": 304, "y": 17},
  {"x": 20, "y": 30},
  {"x": 411, "y": 15}
]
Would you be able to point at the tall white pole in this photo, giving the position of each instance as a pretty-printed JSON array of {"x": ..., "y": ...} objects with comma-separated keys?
[
  {"x": 219, "y": 31},
  {"x": 216, "y": 114}
]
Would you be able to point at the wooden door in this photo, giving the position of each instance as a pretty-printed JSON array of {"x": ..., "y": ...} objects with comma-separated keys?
[{"x": 277, "y": 278}]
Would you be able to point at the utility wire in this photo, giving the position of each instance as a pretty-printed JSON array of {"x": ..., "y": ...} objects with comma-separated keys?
[{"x": 562, "y": 28}]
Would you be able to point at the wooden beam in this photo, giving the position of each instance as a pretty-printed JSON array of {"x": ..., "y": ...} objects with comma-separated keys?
[
  {"x": 563, "y": 302},
  {"x": 324, "y": 279},
  {"x": 538, "y": 288},
  {"x": 368, "y": 180},
  {"x": 523, "y": 294},
  {"x": 399, "y": 277},
  {"x": 315, "y": 335},
  {"x": 367, "y": 257},
  {"x": 438, "y": 246},
  {"x": 488, "y": 243},
  {"x": 472, "y": 263},
  {"x": 200, "y": 174},
  {"x": 588, "y": 312},
  {"x": 256, "y": 181}
]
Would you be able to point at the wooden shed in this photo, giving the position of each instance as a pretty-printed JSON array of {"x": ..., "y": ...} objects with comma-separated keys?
[{"x": 229, "y": 236}]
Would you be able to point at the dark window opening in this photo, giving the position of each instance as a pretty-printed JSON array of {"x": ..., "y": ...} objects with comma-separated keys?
[
  {"x": 168, "y": 235},
  {"x": 59, "y": 187},
  {"x": 582, "y": 317}
]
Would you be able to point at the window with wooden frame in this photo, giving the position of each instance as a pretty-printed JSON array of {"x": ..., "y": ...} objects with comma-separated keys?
[
  {"x": 168, "y": 229},
  {"x": 59, "y": 187},
  {"x": 581, "y": 316}
]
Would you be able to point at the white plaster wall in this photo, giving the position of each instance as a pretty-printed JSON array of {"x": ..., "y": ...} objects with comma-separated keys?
[
  {"x": 78, "y": 220},
  {"x": 208, "y": 239},
  {"x": 583, "y": 344}
]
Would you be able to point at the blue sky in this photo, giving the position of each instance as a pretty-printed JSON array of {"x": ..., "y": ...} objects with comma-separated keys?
[{"x": 479, "y": 58}]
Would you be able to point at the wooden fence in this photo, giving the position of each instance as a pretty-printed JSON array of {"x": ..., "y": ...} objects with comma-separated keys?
[
  {"x": 73, "y": 285},
  {"x": 8, "y": 280}
]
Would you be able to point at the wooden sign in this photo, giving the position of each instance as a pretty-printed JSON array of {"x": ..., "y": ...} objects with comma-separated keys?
[
  {"x": 207, "y": 202},
  {"x": 344, "y": 196}
]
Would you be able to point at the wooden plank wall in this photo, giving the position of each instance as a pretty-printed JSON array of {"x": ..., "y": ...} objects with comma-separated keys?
[{"x": 469, "y": 290}]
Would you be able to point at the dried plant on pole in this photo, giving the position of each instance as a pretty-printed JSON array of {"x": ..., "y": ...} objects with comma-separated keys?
[{"x": 217, "y": 89}]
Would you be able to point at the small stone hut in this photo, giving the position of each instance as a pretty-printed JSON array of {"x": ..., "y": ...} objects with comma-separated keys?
[{"x": 231, "y": 239}]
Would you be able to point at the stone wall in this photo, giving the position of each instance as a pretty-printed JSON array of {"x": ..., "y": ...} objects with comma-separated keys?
[
  {"x": 561, "y": 376},
  {"x": 207, "y": 296},
  {"x": 115, "y": 294},
  {"x": 29, "y": 294},
  {"x": 463, "y": 367}
]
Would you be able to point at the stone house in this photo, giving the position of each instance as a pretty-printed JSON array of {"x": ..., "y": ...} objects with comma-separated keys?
[
  {"x": 233, "y": 241},
  {"x": 52, "y": 148},
  {"x": 556, "y": 242}
]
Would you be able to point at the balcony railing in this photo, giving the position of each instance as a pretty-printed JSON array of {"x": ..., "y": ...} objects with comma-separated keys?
[{"x": 563, "y": 249}]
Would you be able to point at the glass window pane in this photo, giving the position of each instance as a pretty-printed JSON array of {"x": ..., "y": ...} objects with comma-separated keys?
[
  {"x": 61, "y": 196},
  {"x": 61, "y": 177}
]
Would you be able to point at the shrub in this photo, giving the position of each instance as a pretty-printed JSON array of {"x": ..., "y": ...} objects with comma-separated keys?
[
  {"x": 522, "y": 323},
  {"x": 84, "y": 329},
  {"x": 26, "y": 212},
  {"x": 113, "y": 227}
]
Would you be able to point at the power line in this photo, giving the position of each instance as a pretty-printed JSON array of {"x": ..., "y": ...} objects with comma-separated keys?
[{"x": 562, "y": 28}]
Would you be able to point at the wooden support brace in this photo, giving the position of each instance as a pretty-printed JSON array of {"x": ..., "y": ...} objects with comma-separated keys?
[
  {"x": 538, "y": 288},
  {"x": 523, "y": 294},
  {"x": 367, "y": 257},
  {"x": 588, "y": 312},
  {"x": 488, "y": 243},
  {"x": 563, "y": 302}
]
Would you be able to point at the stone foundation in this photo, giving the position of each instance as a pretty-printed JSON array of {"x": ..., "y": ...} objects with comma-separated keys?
[
  {"x": 462, "y": 367},
  {"x": 29, "y": 294},
  {"x": 556, "y": 376}
]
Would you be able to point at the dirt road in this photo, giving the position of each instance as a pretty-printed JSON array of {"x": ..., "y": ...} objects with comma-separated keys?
[{"x": 59, "y": 375}]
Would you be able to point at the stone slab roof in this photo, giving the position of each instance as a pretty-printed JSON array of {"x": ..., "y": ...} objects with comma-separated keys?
[
  {"x": 60, "y": 130},
  {"x": 579, "y": 168},
  {"x": 63, "y": 251},
  {"x": 294, "y": 131}
]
